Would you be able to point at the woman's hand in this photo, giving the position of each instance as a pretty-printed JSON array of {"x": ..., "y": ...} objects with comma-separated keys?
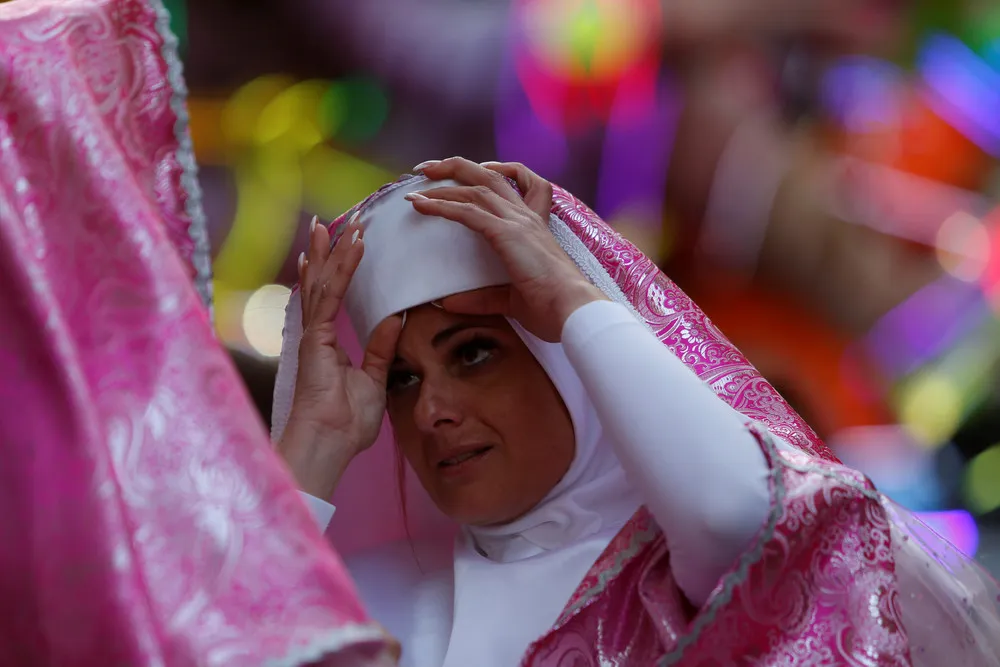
[
  {"x": 337, "y": 409},
  {"x": 546, "y": 286}
]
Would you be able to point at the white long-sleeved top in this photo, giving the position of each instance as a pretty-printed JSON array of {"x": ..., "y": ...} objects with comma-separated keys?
[{"x": 699, "y": 470}]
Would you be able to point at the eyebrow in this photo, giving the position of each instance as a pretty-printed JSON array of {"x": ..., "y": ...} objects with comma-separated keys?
[{"x": 442, "y": 337}]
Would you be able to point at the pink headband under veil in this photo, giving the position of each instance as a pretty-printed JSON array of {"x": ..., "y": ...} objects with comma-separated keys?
[
  {"x": 368, "y": 509},
  {"x": 145, "y": 522}
]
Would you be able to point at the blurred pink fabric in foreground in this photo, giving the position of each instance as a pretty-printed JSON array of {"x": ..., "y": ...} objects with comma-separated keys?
[{"x": 146, "y": 521}]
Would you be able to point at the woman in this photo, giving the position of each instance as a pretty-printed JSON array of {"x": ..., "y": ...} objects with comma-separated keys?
[
  {"x": 145, "y": 520},
  {"x": 611, "y": 509}
]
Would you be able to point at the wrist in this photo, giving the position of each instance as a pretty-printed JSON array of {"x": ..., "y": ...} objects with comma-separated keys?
[
  {"x": 574, "y": 296},
  {"x": 316, "y": 457}
]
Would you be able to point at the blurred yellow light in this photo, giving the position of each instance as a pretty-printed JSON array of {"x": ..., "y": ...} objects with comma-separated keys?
[
  {"x": 963, "y": 246},
  {"x": 931, "y": 408},
  {"x": 240, "y": 117},
  {"x": 982, "y": 482},
  {"x": 334, "y": 181},
  {"x": 591, "y": 39},
  {"x": 296, "y": 115},
  {"x": 264, "y": 317}
]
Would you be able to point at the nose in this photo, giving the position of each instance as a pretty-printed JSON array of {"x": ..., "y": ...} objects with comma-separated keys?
[{"x": 437, "y": 405}]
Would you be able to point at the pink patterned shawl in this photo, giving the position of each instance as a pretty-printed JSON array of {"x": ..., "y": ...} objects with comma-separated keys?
[
  {"x": 145, "y": 520},
  {"x": 839, "y": 575}
]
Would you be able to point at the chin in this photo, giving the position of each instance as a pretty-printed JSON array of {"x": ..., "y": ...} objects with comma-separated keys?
[{"x": 471, "y": 511}]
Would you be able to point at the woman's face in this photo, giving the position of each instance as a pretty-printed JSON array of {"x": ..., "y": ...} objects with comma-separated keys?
[{"x": 476, "y": 416}]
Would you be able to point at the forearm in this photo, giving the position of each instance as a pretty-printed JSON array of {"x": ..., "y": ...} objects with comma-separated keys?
[{"x": 700, "y": 471}]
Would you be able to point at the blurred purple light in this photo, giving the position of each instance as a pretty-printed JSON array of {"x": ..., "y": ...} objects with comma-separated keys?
[
  {"x": 963, "y": 89},
  {"x": 521, "y": 136},
  {"x": 956, "y": 526},
  {"x": 862, "y": 94},
  {"x": 637, "y": 148},
  {"x": 926, "y": 325}
]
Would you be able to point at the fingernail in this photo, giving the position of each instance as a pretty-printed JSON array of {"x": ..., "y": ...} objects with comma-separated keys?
[
  {"x": 312, "y": 225},
  {"x": 414, "y": 196},
  {"x": 354, "y": 218},
  {"x": 302, "y": 261},
  {"x": 403, "y": 323},
  {"x": 489, "y": 164},
  {"x": 355, "y": 235},
  {"x": 423, "y": 165}
]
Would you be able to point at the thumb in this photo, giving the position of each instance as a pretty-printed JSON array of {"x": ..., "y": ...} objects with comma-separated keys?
[
  {"x": 485, "y": 301},
  {"x": 382, "y": 349}
]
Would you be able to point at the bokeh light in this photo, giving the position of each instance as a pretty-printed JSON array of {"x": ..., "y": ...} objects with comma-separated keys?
[
  {"x": 963, "y": 246},
  {"x": 931, "y": 408},
  {"x": 264, "y": 318},
  {"x": 590, "y": 40},
  {"x": 982, "y": 482}
]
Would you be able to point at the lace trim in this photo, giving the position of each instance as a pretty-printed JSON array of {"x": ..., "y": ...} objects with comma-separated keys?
[
  {"x": 198, "y": 230},
  {"x": 752, "y": 556},
  {"x": 604, "y": 578},
  {"x": 331, "y": 642},
  {"x": 591, "y": 267}
]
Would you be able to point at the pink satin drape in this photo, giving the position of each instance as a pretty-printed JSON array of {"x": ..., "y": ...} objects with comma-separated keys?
[{"x": 145, "y": 520}]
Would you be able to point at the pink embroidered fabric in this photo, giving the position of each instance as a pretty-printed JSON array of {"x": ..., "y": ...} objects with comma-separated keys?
[
  {"x": 146, "y": 521},
  {"x": 839, "y": 575}
]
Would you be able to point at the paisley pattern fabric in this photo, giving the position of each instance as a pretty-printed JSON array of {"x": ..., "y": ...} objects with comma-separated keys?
[
  {"x": 683, "y": 327},
  {"x": 146, "y": 521},
  {"x": 837, "y": 576}
]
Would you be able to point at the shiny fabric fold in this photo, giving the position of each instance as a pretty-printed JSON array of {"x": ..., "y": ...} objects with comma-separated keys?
[{"x": 146, "y": 521}]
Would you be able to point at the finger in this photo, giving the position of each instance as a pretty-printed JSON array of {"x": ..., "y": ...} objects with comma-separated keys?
[
  {"x": 316, "y": 254},
  {"x": 536, "y": 190},
  {"x": 381, "y": 349},
  {"x": 335, "y": 258},
  {"x": 469, "y": 173},
  {"x": 337, "y": 274},
  {"x": 485, "y": 301},
  {"x": 480, "y": 195},
  {"x": 463, "y": 213}
]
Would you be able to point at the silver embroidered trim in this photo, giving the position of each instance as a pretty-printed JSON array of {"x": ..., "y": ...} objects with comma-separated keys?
[
  {"x": 590, "y": 266},
  {"x": 331, "y": 642},
  {"x": 198, "y": 230}
]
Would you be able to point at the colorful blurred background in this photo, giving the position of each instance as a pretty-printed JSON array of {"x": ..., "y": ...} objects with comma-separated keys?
[{"x": 822, "y": 176}]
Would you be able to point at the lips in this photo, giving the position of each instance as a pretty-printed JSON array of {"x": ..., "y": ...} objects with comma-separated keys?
[{"x": 463, "y": 455}]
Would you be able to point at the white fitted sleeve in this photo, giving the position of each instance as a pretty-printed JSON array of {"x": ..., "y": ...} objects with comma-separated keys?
[
  {"x": 700, "y": 471},
  {"x": 322, "y": 511}
]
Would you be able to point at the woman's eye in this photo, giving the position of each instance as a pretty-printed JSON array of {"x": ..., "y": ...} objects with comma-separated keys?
[
  {"x": 475, "y": 352},
  {"x": 399, "y": 380}
]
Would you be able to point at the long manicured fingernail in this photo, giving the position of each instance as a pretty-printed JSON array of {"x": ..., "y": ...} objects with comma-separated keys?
[
  {"x": 312, "y": 225},
  {"x": 414, "y": 196},
  {"x": 354, "y": 218},
  {"x": 355, "y": 235},
  {"x": 489, "y": 164},
  {"x": 423, "y": 165},
  {"x": 403, "y": 323},
  {"x": 302, "y": 262}
]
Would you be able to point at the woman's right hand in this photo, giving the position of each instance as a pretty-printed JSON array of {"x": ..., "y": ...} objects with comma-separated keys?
[{"x": 337, "y": 409}]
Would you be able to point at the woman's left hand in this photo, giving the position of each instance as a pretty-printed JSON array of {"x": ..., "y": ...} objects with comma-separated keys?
[{"x": 546, "y": 286}]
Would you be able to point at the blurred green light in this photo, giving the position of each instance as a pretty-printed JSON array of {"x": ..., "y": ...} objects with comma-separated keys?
[
  {"x": 357, "y": 108},
  {"x": 982, "y": 482},
  {"x": 178, "y": 23}
]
